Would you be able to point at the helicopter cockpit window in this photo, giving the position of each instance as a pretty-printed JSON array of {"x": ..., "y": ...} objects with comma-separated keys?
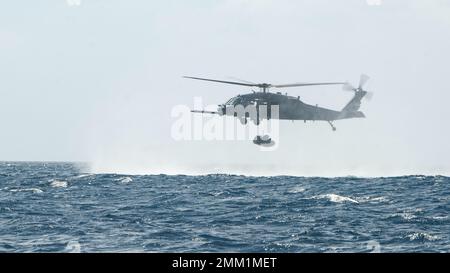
[
  {"x": 234, "y": 101},
  {"x": 230, "y": 101}
]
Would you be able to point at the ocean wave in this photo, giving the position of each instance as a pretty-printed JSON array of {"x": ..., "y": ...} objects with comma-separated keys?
[
  {"x": 439, "y": 218},
  {"x": 83, "y": 175},
  {"x": 335, "y": 198},
  {"x": 73, "y": 247},
  {"x": 408, "y": 214},
  {"x": 297, "y": 189},
  {"x": 33, "y": 190},
  {"x": 216, "y": 193},
  {"x": 58, "y": 184},
  {"x": 422, "y": 236},
  {"x": 125, "y": 180},
  {"x": 365, "y": 199}
]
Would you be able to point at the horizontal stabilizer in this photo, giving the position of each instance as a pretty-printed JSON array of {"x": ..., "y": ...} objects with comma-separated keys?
[{"x": 204, "y": 112}]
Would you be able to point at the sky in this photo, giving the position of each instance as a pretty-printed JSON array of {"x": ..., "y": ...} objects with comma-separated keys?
[{"x": 96, "y": 81}]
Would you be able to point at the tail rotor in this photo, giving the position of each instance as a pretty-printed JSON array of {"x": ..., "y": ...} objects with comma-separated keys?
[{"x": 359, "y": 90}]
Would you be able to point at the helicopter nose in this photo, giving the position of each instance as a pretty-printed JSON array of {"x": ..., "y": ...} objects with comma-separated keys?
[{"x": 222, "y": 109}]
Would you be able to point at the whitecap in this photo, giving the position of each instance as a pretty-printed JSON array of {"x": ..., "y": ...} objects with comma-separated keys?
[
  {"x": 407, "y": 215},
  {"x": 125, "y": 180},
  {"x": 439, "y": 218},
  {"x": 439, "y": 179},
  {"x": 83, "y": 175},
  {"x": 337, "y": 198},
  {"x": 378, "y": 199},
  {"x": 34, "y": 190},
  {"x": 296, "y": 189},
  {"x": 420, "y": 177},
  {"x": 217, "y": 193},
  {"x": 422, "y": 236},
  {"x": 371, "y": 199},
  {"x": 58, "y": 184},
  {"x": 73, "y": 247}
]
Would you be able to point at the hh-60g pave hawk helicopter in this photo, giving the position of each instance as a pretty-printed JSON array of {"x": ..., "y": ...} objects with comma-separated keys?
[{"x": 290, "y": 108}]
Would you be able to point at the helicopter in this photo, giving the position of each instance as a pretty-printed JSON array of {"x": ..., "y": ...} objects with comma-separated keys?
[{"x": 290, "y": 107}]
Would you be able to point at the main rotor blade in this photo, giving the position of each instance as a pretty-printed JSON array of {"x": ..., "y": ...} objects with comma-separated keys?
[
  {"x": 305, "y": 84},
  {"x": 362, "y": 80},
  {"x": 264, "y": 85},
  {"x": 227, "y": 82},
  {"x": 241, "y": 80}
]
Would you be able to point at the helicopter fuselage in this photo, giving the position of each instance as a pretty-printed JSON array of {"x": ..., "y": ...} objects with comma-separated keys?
[{"x": 289, "y": 107}]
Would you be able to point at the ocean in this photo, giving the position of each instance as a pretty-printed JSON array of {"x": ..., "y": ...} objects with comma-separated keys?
[{"x": 58, "y": 207}]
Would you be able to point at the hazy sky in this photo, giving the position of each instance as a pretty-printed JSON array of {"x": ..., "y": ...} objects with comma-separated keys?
[{"x": 97, "y": 82}]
